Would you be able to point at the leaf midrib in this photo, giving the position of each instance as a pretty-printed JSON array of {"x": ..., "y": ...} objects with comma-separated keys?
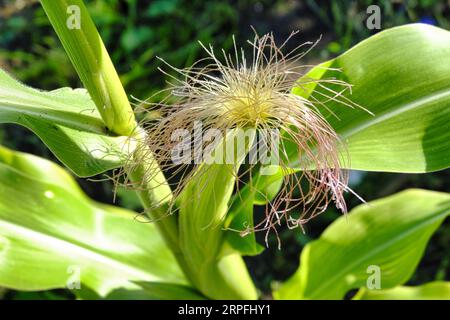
[{"x": 385, "y": 116}]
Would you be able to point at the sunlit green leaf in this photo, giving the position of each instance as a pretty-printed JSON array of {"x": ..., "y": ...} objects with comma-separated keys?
[
  {"x": 84, "y": 46},
  {"x": 50, "y": 232},
  {"x": 402, "y": 75},
  {"x": 66, "y": 120},
  {"x": 430, "y": 291},
  {"x": 239, "y": 219},
  {"x": 146, "y": 291},
  {"x": 203, "y": 205},
  {"x": 387, "y": 235},
  {"x": 240, "y": 215},
  {"x": 168, "y": 291}
]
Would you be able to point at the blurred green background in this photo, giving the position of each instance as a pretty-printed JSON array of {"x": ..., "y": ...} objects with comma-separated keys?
[{"x": 136, "y": 32}]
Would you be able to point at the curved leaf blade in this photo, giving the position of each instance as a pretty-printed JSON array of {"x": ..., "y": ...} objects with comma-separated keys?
[
  {"x": 390, "y": 233},
  {"x": 402, "y": 75},
  {"x": 260, "y": 190},
  {"x": 90, "y": 58},
  {"x": 67, "y": 121},
  {"x": 48, "y": 229},
  {"x": 146, "y": 291}
]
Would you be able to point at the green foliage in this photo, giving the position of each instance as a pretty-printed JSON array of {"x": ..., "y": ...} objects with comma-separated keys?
[
  {"x": 390, "y": 233},
  {"x": 49, "y": 229},
  {"x": 67, "y": 122},
  {"x": 145, "y": 290},
  {"x": 411, "y": 114},
  {"x": 86, "y": 51},
  {"x": 438, "y": 290},
  {"x": 259, "y": 191},
  {"x": 53, "y": 226},
  {"x": 408, "y": 95}
]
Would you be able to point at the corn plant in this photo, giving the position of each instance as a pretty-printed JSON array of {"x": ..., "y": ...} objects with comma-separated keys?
[{"x": 384, "y": 105}]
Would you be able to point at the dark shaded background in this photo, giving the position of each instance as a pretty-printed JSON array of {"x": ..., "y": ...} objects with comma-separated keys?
[{"x": 135, "y": 32}]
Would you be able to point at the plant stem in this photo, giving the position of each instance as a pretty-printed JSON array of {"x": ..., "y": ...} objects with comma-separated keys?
[
  {"x": 154, "y": 192},
  {"x": 155, "y": 195}
]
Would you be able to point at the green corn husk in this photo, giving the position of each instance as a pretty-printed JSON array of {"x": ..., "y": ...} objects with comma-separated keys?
[{"x": 203, "y": 206}]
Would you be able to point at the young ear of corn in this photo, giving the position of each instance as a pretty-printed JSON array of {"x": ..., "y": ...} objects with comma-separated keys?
[
  {"x": 203, "y": 205},
  {"x": 216, "y": 277}
]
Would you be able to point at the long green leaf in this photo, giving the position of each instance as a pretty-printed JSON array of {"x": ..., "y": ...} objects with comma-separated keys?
[
  {"x": 402, "y": 75},
  {"x": 390, "y": 234},
  {"x": 86, "y": 50},
  {"x": 67, "y": 121},
  {"x": 49, "y": 228},
  {"x": 240, "y": 216},
  {"x": 438, "y": 290},
  {"x": 147, "y": 291}
]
